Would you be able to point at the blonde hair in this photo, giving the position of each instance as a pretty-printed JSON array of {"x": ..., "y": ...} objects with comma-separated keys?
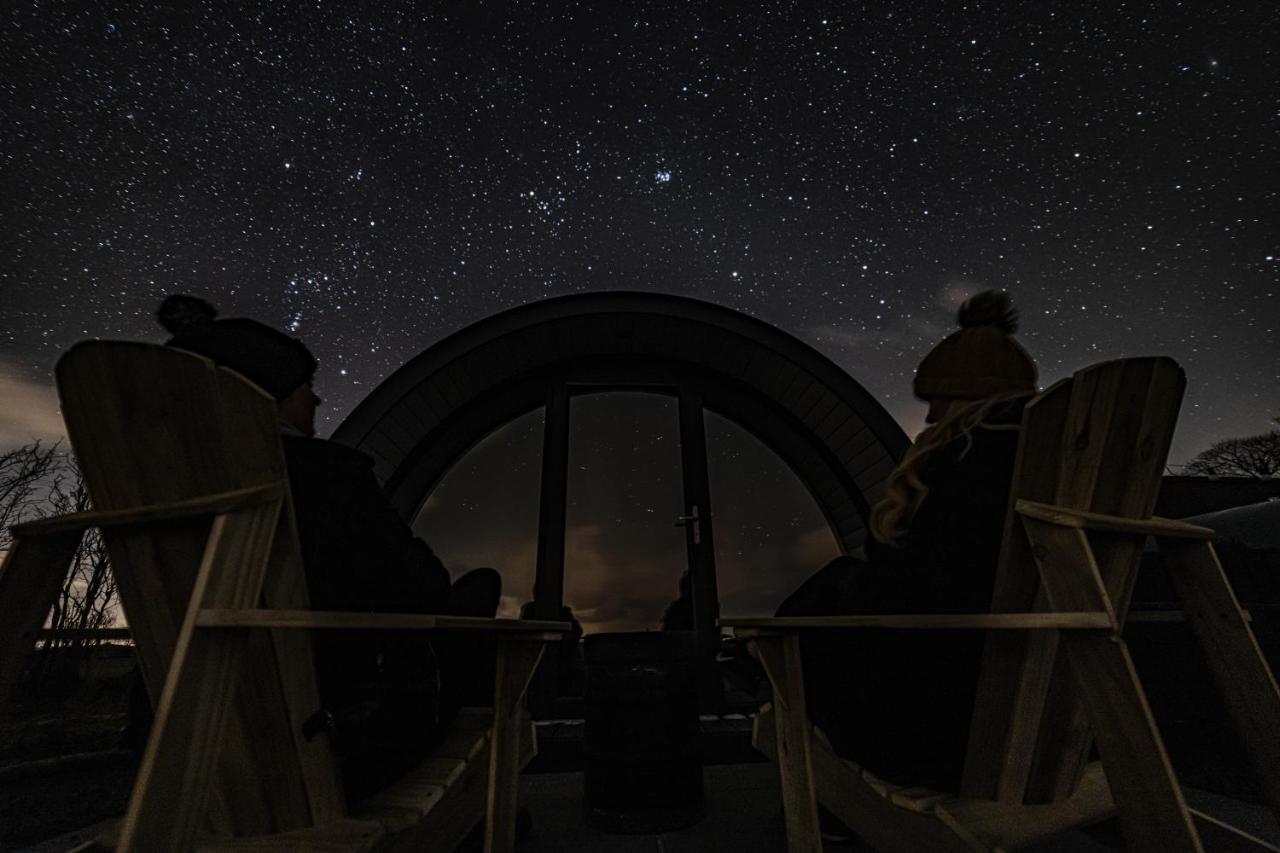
[{"x": 905, "y": 491}]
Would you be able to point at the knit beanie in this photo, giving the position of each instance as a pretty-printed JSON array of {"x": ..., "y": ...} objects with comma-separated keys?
[
  {"x": 269, "y": 358},
  {"x": 981, "y": 359}
]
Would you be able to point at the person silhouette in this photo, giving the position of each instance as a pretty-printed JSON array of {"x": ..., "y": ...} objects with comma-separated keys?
[
  {"x": 900, "y": 702},
  {"x": 385, "y": 695}
]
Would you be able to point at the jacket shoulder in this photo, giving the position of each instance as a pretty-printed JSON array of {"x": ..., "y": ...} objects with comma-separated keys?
[{"x": 322, "y": 453}]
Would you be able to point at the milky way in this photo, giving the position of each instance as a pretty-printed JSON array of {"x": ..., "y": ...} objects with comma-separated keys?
[{"x": 845, "y": 172}]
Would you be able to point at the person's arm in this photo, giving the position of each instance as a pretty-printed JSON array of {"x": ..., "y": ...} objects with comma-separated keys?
[{"x": 359, "y": 554}]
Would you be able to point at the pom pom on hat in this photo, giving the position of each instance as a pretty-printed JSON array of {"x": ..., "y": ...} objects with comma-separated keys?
[
  {"x": 989, "y": 308},
  {"x": 179, "y": 312},
  {"x": 267, "y": 357},
  {"x": 981, "y": 359}
]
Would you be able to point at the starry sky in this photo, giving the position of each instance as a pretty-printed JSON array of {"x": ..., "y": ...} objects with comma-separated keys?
[{"x": 375, "y": 177}]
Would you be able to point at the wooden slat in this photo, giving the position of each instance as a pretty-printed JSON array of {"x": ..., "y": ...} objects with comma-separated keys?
[
  {"x": 1084, "y": 520},
  {"x": 131, "y": 410},
  {"x": 1003, "y": 826},
  {"x": 339, "y": 836},
  {"x": 780, "y": 657},
  {"x": 1122, "y": 419},
  {"x": 1219, "y": 837},
  {"x": 860, "y": 438},
  {"x": 516, "y": 662},
  {"x": 988, "y": 756},
  {"x": 342, "y": 620},
  {"x": 824, "y": 414},
  {"x": 856, "y": 459},
  {"x": 861, "y": 801},
  {"x": 30, "y": 577},
  {"x": 82, "y": 634},
  {"x": 837, "y": 419},
  {"x": 1034, "y": 686},
  {"x": 1237, "y": 663},
  {"x": 410, "y": 799},
  {"x": 422, "y": 412},
  {"x": 284, "y": 692},
  {"x": 929, "y": 621},
  {"x": 169, "y": 795},
  {"x": 875, "y": 472},
  {"x": 205, "y": 505},
  {"x": 1152, "y": 810}
]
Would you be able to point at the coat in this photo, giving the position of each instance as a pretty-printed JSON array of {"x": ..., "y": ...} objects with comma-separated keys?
[
  {"x": 900, "y": 702},
  {"x": 382, "y": 687}
]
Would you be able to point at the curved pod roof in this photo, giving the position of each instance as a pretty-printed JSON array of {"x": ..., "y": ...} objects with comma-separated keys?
[{"x": 836, "y": 437}]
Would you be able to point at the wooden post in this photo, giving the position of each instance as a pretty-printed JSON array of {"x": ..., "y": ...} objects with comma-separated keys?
[
  {"x": 516, "y": 661},
  {"x": 1153, "y": 812},
  {"x": 1248, "y": 686},
  {"x": 30, "y": 577},
  {"x": 169, "y": 796},
  {"x": 780, "y": 656}
]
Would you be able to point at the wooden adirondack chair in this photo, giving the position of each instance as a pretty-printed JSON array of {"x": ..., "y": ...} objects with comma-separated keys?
[
  {"x": 1056, "y": 675},
  {"x": 184, "y": 465}
]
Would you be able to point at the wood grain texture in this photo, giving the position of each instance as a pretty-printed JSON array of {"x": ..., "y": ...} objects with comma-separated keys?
[
  {"x": 1121, "y": 420},
  {"x": 516, "y": 662},
  {"x": 1152, "y": 810},
  {"x": 153, "y": 426},
  {"x": 998, "y": 702},
  {"x": 339, "y": 836},
  {"x": 1220, "y": 837},
  {"x": 1084, "y": 520},
  {"x": 169, "y": 794},
  {"x": 200, "y": 506},
  {"x": 206, "y": 553},
  {"x": 755, "y": 626},
  {"x": 1237, "y": 663},
  {"x": 249, "y": 617},
  {"x": 1004, "y": 826},
  {"x": 30, "y": 577},
  {"x": 780, "y": 657},
  {"x": 863, "y": 802}
]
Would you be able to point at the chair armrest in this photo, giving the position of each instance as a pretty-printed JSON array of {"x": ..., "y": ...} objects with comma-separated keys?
[
  {"x": 531, "y": 629},
  {"x": 1078, "y": 518},
  {"x": 203, "y": 505},
  {"x": 1098, "y": 621}
]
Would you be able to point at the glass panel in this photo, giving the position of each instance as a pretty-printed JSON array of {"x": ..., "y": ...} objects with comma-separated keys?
[
  {"x": 770, "y": 533},
  {"x": 623, "y": 553},
  {"x": 485, "y": 510}
]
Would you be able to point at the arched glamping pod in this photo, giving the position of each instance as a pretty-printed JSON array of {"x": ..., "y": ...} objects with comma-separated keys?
[{"x": 550, "y": 357}]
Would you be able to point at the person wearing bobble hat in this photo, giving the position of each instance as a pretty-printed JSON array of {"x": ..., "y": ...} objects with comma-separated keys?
[
  {"x": 384, "y": 694},
  {"x": 900, "y": 702}
]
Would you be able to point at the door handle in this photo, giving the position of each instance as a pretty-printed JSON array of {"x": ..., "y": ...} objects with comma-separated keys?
[{"x": 693, "y": 521}]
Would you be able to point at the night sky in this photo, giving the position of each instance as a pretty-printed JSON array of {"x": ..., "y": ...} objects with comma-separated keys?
[{"x": 375, "y": 179}]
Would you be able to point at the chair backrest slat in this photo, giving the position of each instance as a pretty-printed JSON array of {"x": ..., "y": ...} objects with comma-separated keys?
[
  {"x": 1096, "y": 442},
  {"x": 151, "y": 425}
]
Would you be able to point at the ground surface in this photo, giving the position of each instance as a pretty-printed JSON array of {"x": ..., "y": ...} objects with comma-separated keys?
[{"x": 743, "y": 816}]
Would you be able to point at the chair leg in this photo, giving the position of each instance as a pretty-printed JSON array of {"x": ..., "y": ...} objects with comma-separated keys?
[
  {"x": 780, "y": 656},
  {"x": 1248, "y": 686},
  {"x": 30, "y": 577},
  {"x": 1153, "y": 812},
  {"x": 170, "y": 796},
  {"x": 516, "y": 661}
]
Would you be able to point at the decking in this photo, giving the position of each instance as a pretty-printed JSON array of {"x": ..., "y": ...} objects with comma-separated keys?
[{"x": 743, "y": 816}]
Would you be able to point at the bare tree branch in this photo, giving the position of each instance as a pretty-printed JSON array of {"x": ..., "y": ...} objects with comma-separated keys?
[
  {"x": 37, "y": 481},
  {"x": 1251, "y": 456}
]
